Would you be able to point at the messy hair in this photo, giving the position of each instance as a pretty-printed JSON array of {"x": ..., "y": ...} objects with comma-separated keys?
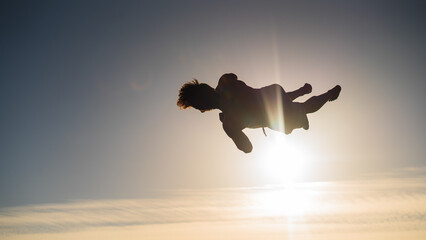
[{"x": 197, "y": 95}]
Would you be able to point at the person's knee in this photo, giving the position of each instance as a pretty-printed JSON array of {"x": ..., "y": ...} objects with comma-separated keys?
[{"x": 278, "y": 87}]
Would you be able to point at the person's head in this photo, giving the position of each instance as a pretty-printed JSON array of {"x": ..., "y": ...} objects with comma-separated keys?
[{"x": 198, "y": 95}]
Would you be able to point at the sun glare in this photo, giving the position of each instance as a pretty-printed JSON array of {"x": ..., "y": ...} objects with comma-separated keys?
[
  {"x": 278, "y": 202},
  {"x": 283, "y": 161}
]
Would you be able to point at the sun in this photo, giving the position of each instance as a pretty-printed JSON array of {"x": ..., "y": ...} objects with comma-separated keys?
[{"x": 284, "y": 161}]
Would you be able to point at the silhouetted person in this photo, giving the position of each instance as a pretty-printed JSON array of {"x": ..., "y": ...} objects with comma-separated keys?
[{"x": 246, "y": 107}]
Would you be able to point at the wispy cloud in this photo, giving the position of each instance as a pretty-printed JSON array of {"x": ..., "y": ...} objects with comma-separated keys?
[{"x": 368, "y": 205}]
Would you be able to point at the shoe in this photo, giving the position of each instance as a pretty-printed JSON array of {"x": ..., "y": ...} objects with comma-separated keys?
[
  {"x": 307, "y": 88},
  {"x": 334, "y": 93}
]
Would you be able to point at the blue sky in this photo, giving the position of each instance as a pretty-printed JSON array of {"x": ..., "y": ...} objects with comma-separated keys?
[{"x": 89, "y": 89}]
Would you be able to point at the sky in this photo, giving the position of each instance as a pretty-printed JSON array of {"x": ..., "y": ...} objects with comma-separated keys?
[
  {"x": 89, "y": 89},
  {"x": 368, "y": 209}
]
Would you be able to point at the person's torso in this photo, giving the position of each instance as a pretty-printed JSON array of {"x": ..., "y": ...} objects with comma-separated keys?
[
  {"x": 242, "y": 103},
  {"x": 265, "y": 107}
]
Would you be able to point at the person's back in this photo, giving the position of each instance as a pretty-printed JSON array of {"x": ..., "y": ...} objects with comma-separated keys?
[{"x": 241, "y": 103}]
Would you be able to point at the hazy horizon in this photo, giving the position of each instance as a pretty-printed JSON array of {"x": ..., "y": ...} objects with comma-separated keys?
[{"x": 387, "y": 207}]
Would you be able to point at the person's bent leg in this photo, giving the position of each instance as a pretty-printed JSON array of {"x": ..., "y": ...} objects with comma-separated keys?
[
  {"x": 313, "y": 104},
  {"x": 306, "y": 89}
]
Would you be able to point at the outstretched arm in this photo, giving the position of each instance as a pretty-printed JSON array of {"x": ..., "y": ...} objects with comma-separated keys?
[{"x": 237, "y": 135}]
